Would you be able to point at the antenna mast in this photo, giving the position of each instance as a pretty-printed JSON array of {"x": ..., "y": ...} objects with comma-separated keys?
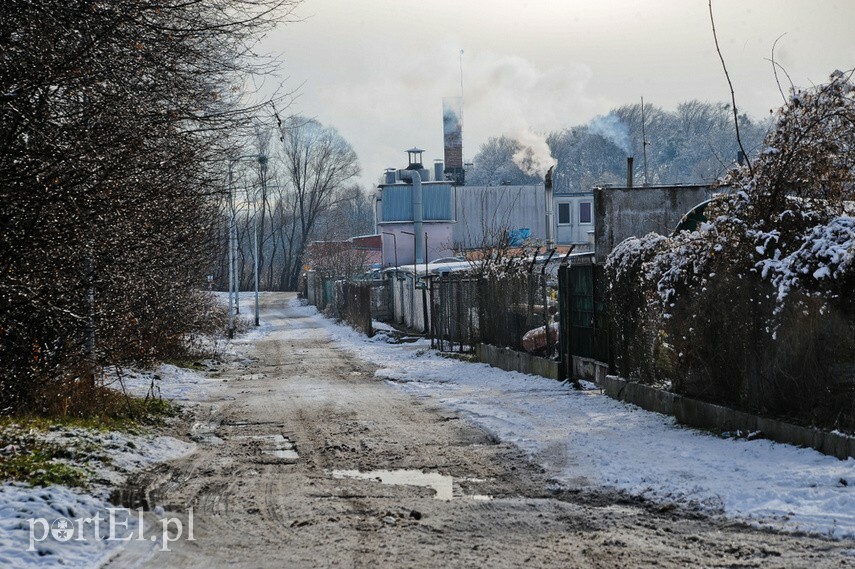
[
  {"x": 461, "y": 107},
  {"x": 644, "y": 142}
]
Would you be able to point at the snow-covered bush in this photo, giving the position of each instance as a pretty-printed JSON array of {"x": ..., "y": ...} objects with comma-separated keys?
[
  {"x": 631, "y": 279},
  {"x": 824, "y": 265},
  {"x": 757, "y": 304}
]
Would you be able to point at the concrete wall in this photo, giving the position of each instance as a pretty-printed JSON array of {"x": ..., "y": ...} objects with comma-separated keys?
[
  {"x": 396, "y": 288},
  {"x": 591, "y": 370},
  {"x": 710, "y": 416},
  {"x": 408, "y": 303},
  {"x": 620, "y": 213},
  {"x": 510, "y": 360}
]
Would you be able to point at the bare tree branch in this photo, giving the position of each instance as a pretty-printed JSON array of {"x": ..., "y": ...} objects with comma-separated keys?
[{"x": 732, "y": 94}]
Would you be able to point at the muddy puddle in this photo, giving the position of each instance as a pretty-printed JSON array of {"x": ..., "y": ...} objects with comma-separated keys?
[
  {"x": 441, "y": 484},
  {"x": 277, "y": 446}
]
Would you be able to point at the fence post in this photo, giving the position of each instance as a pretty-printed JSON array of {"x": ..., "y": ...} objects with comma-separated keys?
[
  {"x": 425, "y": 307},
  {"x": 450, "y": 308},
  {"x": 470, "y": 290},
  {"x": 563, "y": 320},
  {"x": 594, "y": 335},
  {"x": 432, "y": 315},
  {"x": 545, "y": 316},
  {"x": 570, "y": 286},
  {"x": 457, "y": 317},
  {"x": 365, "y": 305}
]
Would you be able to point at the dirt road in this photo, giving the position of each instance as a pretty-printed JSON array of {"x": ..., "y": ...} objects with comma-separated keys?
[{"x": 275, "y": 483}]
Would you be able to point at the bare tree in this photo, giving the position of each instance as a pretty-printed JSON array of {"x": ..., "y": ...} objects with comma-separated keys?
[
  {"x": 351, "y": 215},
  {"x": 114, "y": 118},
  {"x": 339, "y": 259},
  {"x": 694, "y": 143},
  {"x": 318, "y": 164}
]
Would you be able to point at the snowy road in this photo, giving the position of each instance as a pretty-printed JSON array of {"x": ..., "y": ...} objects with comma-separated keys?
[
  {"x": 585, "y": 438},
  {"x": 479, "y": 467}
]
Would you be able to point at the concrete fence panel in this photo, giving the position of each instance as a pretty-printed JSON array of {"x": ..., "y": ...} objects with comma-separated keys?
[{"x": 701, "y": 414}]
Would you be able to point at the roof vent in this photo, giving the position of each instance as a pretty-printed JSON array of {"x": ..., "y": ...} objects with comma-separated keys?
[{"x": 415, "y": 157}]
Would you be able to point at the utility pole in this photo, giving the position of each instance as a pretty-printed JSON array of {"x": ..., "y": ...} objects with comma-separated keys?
[
  {"x": 231, "y": 330},
  {"x": 644, "y": 143},
  {"x": 262, "y": 163}
]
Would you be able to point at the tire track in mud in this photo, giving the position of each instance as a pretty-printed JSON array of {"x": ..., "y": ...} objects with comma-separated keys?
[{"x": 256, "y": 511}]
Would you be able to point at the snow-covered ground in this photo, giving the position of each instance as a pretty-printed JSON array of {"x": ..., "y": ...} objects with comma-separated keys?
[
  {"x": 109, "y": 457},
  {"x": 27, "y": 513},
  {"x": 20, "y": 503},
  {"x": 583, "y": 437},
  {"x": 123, "y": 453}
]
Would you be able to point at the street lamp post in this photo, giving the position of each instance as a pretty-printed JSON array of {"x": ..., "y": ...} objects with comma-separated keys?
[
  {"x": 262, "y": 163},
  {"x": 234, "y": 284},
  {"x": 231, "y": 330}
]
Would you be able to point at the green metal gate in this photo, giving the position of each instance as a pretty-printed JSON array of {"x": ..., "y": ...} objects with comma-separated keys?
[{"x": 584, "y": 327}]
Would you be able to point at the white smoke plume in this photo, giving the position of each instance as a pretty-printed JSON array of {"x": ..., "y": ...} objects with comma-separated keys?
[
  {"x": 612, "y": 129},
  {"x": 502, "y": 95},
  {"x": 534, "y": 158},
  {"x": 510, "y": 96}
]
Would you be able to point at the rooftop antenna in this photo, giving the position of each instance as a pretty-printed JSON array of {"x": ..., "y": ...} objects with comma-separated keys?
[{"x": 644, "y": 142}]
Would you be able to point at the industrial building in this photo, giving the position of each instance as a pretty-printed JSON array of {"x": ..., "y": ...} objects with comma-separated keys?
[{"x": 451, "y": 219}]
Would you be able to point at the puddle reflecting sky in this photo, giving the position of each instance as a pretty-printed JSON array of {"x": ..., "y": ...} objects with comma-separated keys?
[{"x": 440, "y": 483}]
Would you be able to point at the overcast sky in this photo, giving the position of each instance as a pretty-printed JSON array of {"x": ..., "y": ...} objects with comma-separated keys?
[{"x": 377, "y": 69}]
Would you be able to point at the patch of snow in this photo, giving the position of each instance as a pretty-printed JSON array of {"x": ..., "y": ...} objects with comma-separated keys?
[
  {"x": 167, "y": 381},
  {"x": 110, "y": 456},
  {"x": 20, "y": 503},
  {"x": 381, "y": 326},
  {"x": 126, "y": 452}
]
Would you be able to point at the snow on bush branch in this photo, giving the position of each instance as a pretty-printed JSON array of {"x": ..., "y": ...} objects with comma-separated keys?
[
  {"x": 755, "y": 307},
  {"x": 827, "y": 254},
  {"x": 786, "y": 222}
]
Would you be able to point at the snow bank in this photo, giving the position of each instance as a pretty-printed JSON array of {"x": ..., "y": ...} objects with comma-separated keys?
[
  {"x": 583, "y": 437},
  {"x": 169, "y": 382},
  {"x": 19, "y": 503},
  {"x": 109, "y": 457}
]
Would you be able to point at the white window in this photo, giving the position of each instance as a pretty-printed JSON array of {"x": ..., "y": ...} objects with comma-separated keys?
[
  {"x": 584, "y": 212},
  {"x": 564, "y": 214}
]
